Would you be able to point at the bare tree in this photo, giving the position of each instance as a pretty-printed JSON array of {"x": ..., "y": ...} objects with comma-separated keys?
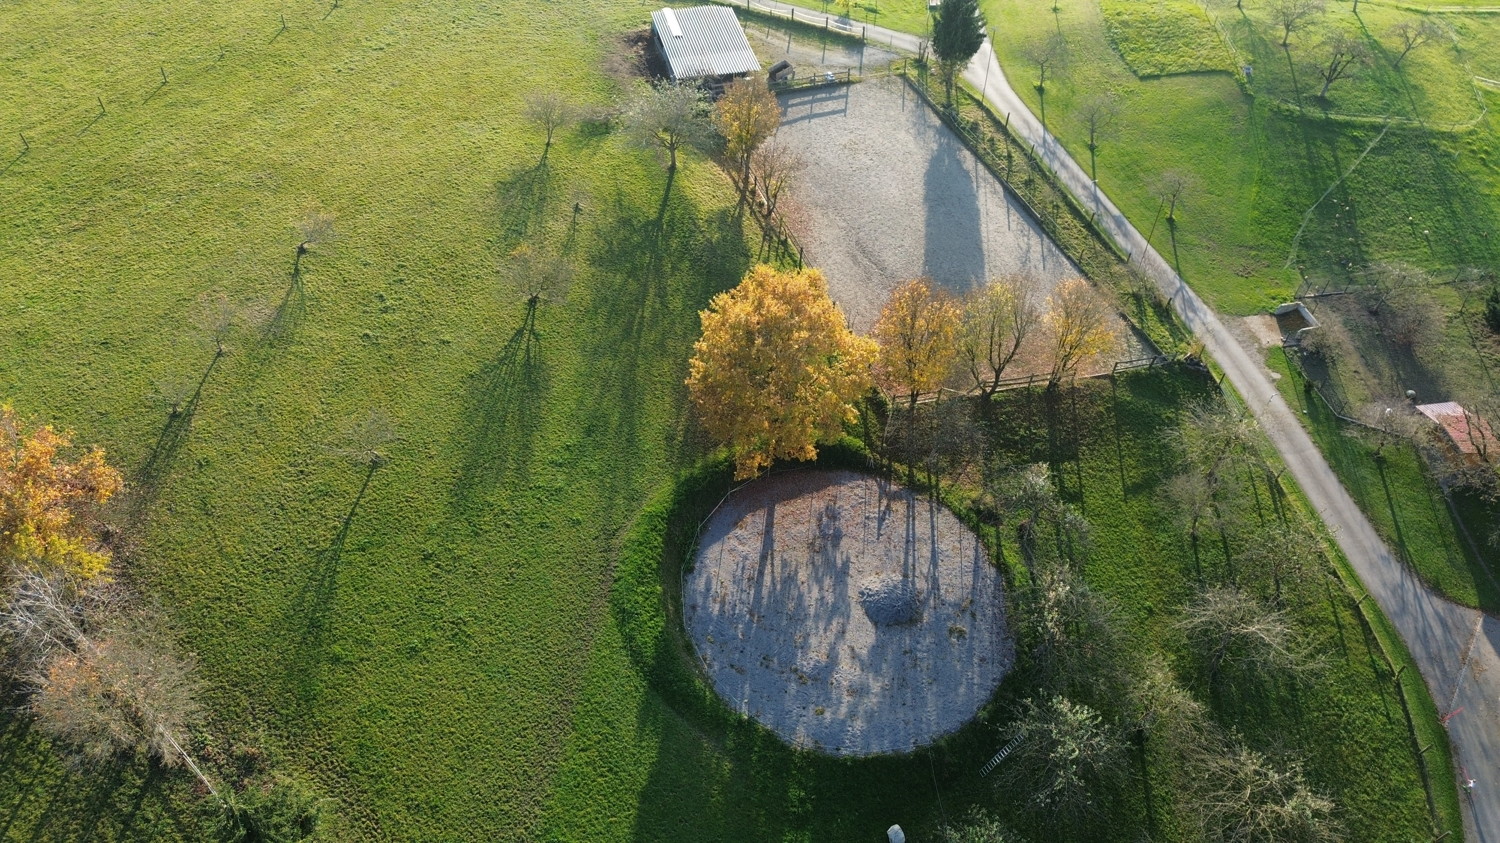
[
  {"x": 1400, "y": 298},
  {"x": 667, "y": 118},
  {"x": 1099, "y": 112},
  {"x": 1078, "y": 646},
  {"x": 977, "y": 826},
  {"x": 122, "y": 693},
  {"x": 1166, "y": 714},
  {"x": 541, "y": 273},
  {"x": 997, "y": 319},
  {"x": 101, "y": 678},
  {"x": 1283, "y": 554},
  {"x": 774, "y": 167},
  {"x": 1230, "y": 630},
  {"x": 1214, "y": 437},
  {"x": 1170, "y": 186},
  {"x": 215, "y": 316},
  {"x": 173, "y": 393},
  {"x": 315, "y": 228},
  {"x": 1290, "y": 15},
  {"x": 364, "y": 440},
  {"x": 548, "y": 111},
  {"x": 45, "y": 614},
  {"x": 1066, "y": 755},
  {"x": 1240, "y": 796},
  {"x": 1344, "y": 54},
  {"x": 1048, "y": 54},
  {"x": 1413, "y": 34}
]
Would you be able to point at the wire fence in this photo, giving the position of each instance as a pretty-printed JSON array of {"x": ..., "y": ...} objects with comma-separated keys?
[{"x": 824, "y": 21}]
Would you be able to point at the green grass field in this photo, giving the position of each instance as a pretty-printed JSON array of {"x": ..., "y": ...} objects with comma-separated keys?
[
  {"x": 437, "y": 644},
  {"x": 431, "y": 648},
  {"x": 1255, "y": 168}
]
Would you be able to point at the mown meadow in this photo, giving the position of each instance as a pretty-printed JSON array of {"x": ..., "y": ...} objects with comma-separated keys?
[
  {"x": 439, "y": 644},
  {"x": 1395, "y": 164}
]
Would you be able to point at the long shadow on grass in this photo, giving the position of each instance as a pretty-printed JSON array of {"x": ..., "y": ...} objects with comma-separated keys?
[
  {"x": 289, "y": 311},
  {"x": 503, "y": 405},
  {"x": 655, "y": 273},
  {"x": 522, "y": 199},
  {"x": 312, "y": 609},
  {"x": 152, "y": 474}
]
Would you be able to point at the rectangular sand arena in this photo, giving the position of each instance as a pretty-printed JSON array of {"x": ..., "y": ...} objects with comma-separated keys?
[{"x": 889, "y": 193}]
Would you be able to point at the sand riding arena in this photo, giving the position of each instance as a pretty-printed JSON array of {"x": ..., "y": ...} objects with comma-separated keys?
[{"x": 846, "y": 614}]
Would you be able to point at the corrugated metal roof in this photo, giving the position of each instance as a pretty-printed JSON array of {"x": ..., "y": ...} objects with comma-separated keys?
[{"x": 712, "y": 42}]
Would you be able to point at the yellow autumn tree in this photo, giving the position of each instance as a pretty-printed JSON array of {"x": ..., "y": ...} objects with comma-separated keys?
[
  {"x": 1080, "y": 325},
  {"x": 776, "y": 369},
  {"x": 917, "y": 333},
  {"x": 47, "y": 500},
  {"x": 747, "y": 115}
]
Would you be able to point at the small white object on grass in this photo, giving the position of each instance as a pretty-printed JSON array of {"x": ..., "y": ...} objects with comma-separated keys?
[{"x": 894, "y": 834}]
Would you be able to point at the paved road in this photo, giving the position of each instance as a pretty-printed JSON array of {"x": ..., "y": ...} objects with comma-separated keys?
[{"x": 1453, "y": 646}]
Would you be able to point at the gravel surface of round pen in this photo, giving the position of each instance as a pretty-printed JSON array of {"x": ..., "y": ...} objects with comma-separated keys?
[{"x": 846, "y": 614}]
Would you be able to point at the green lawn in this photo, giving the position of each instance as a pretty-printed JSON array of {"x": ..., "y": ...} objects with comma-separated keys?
[{"x": 434, "y": 651}]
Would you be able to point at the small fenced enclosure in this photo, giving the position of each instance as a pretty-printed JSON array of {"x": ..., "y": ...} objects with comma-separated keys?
[{"x": 817, "y": 79}]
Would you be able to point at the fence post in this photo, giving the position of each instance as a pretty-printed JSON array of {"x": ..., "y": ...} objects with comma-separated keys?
[{"x": 794, "y": 14}]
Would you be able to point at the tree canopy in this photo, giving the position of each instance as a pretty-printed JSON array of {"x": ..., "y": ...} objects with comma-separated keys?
[
  {"x": 776, "y": 369},
  {"x": 918, "y": 336},
  {"x": 957, "y": 32},
  {"x": 47, "y": 499},
  {"x": 1081, "y": 327},
  {"x": 747, "y": 116}
]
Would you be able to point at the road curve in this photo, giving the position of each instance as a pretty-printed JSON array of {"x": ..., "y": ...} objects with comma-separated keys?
[{"x": 1453, "y": 646}]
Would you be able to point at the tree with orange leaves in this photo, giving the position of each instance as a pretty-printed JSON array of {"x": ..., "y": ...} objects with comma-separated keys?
[
  {"x": 1081, "y": 327},
  {"x": 48, "y": 500},
  {"x": 918, "y": 336},
  {"x": 776, "y": 370}
]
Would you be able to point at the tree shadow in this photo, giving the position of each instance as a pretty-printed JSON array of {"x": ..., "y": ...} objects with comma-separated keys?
[
  {"x": 13, "y": 162},
  {"x": 522, "y": 200},
  {"x": 953, "y": 242},
  {"x": 660, "y": 270},
  {"x": 289, "y": 311},
  {"x": 85, "y": 129},
  {"x": 311, "y": 609},
  {"x": 169, "y": 442},
  {"x": 503, "y": 403}
]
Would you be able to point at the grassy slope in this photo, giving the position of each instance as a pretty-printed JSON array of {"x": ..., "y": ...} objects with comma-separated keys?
[
  {"x": 1255, "y": 171},
  {"x": 438, "y": 656},
  {"x": 416, "y": 662},
  {"x": 1349, "y": 723}
]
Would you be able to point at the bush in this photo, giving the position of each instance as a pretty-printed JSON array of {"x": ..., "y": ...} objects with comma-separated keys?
[
  {"x": 1492, "y": 309},
  {"x": 282, "y": 811}
]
